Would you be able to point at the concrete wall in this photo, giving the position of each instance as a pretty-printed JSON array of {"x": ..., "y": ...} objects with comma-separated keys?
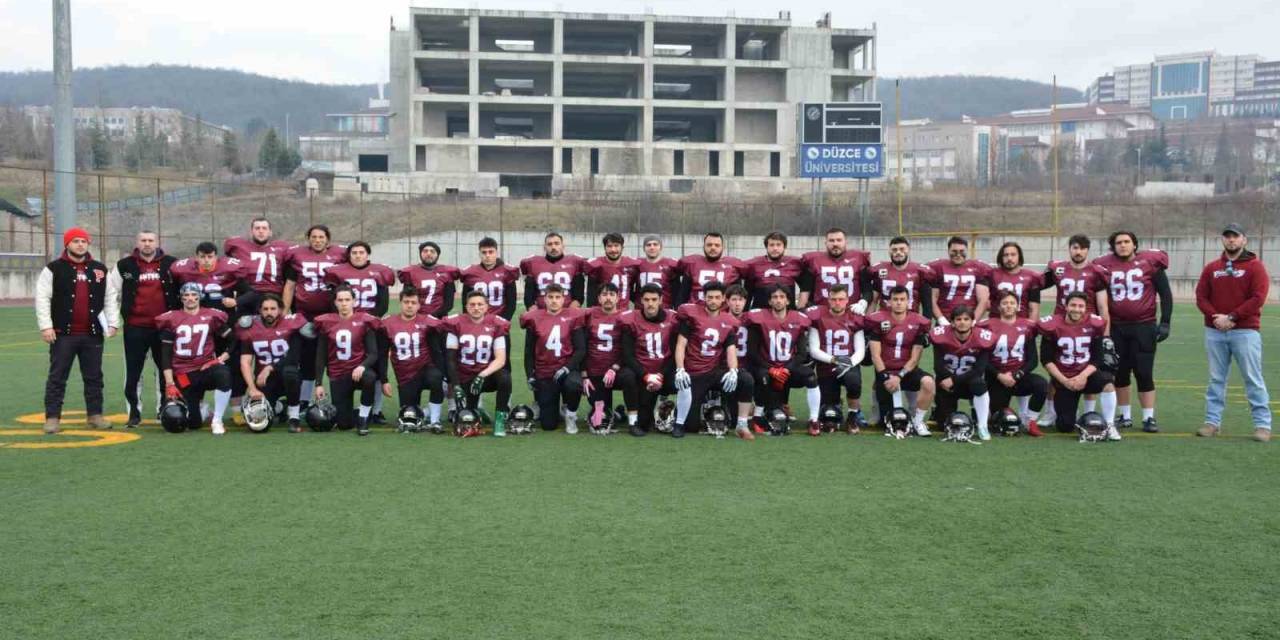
[
  {"x": 756, "y": 126},
  {"x": 515, "y": 160},
  {"x": 623, "y": 162},
  {"x": 446, "y": 158},
  {"x": 760, "y": 85}
]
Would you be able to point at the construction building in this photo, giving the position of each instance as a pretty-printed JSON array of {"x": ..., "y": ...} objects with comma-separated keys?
[{"x": 1188, "y": 86}]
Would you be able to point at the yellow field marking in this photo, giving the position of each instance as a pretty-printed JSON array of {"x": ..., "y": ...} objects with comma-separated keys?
[
  {"x": 98, "y": 439},
  {"x": 74, "y": 417}
]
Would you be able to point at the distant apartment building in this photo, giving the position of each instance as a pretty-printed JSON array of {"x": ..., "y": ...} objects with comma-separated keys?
[
  {"x": 350, "y": 142},
  {"x": 120, "y": 123},
  {"x": 941, "y": 152},
  {"x": 1195, "y": 85},
  {"x": 1077, "y": 125}
]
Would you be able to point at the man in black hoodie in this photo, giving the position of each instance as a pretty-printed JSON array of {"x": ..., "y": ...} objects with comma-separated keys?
[{"x": 143, "y": 283}]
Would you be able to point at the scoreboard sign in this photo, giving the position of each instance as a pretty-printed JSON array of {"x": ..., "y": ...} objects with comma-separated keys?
[{"x": 840, "y": 123}]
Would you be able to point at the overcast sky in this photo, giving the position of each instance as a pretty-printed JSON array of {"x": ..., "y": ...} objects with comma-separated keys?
[{"x": 313, "y": 41}]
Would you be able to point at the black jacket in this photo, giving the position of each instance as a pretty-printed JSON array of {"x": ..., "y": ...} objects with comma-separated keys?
[
  {"x": 59, "y": 280},
  {"x": 127, "y": 267}
]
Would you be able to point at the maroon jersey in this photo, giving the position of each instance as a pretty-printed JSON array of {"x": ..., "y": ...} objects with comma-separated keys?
[
  {"x": 913, "y": 276},
  {"x": 410, "y": 343},
  {"x": 604, "y": 340},
  {"x": 218, "y": 283},
  {"x": 561, "y": 272},
  {"x": 896, "y": 337},
  {"x": 708, "y": 337},
  {"x": 1130, "y": 284},
  {"x": 622, "y": 274},
  {"x": 193, "y": 335},
  {"x": 1073, "y": 342},
  {"x": 835, "y": 333},
  {"x": 491, "y": 282},
  {"x": 307, "y": 269},
  {"x": 476, "y": 342},
  {"x": 346, "y": 340},
  {"x": 664, "y": 273},
  {"x": 654, "y": 339},
  {"x": 764, "y": 272},
  {"x": 959, "y": 356},
  {"x": 1069, "y": 279},
  {"x": 264, "y": 263},
  {"x": 700, "y": 271},
  {"x": 364, "y": 281},
  {"x": 269, "y": 344},
  {"x": 553, "y": 333},
  {"x": 958, "y": 285},
  {"x": 1022, "y": 282},
  {"x": 1009, "y": 342},
  {"x": 430, "y": 284},
  {"x": 827, "y": 270},
  {"x": 779, "y": 339}
]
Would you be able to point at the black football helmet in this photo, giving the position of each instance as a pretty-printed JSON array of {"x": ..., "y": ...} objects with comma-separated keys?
[
  {"x": 830, "y": 417},
  {"x": 959, "y": 428},
  {"x": 173, "y": 416},
  {"x": 1008, "y": 423},
  {"x": 322, "y": 416},
  {"x": 410, "y": 419},
  {"x": 466, "y": 423},
  {"x": 715, "y": 420},
  {"x": 1092, "y": 427},
  {"x": 664, "y": 416},
  {"x": 898, "y": 423},
  {"x": 1110, "y": 357},
  {"x": 521, "y": 419},
  {"x": 779, "y": 422}
]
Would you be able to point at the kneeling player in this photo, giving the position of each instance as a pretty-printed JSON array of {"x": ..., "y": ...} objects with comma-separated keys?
[
  {"x": 779, "y": 361},
  {"x": 897, "y": 338},
  {"x": 555, "y": 344},
  {"x": 1013, "y": 359},
  {"x": 416, "y": 351},
  {"x": 604, "y": 371},
  {"x": 194, "y": 350},
  {"x": 270, "y": 344},
  {"x": 647, "y": 341},
  {"x": 347, "y": 342},
  {"x": 476, "y": 358},
  {"x": 1072, "y": 347},
  {"x": 960, "y": 357},
  {"x": 837, "y": 345},
  {"x": 706, "y": 355}
]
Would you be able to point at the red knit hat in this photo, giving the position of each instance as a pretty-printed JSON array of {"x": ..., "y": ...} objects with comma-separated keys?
[{"x": 72, "y": 234}]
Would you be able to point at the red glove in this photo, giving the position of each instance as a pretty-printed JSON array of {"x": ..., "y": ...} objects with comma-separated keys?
[
  {"x": 778, "y": 377},
  {"x": 171, "y": 392},
  {"x": 609, "y": 377}
]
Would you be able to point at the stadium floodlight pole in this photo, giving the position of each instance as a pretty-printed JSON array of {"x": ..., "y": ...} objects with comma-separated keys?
[
  {"x": 897, "y": 133},
  {"x": 64, "y": 132}
]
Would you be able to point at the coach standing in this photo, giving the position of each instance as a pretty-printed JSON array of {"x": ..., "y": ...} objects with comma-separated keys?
[
  {"x": 1230, "y": 294},
  {"x": 71, "y": 298},
  {"x": 145, "y": 287}
]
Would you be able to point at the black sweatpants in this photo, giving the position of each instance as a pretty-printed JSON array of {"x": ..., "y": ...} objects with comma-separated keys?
[
  {"x": 549, "y": 394},
  {"x": 1066, "y": 402},
  {"x": 217, "y": 378},
  {"x": 1028, "y": 385},
  {"x": 342, "y": 391},
  {"x": 830, "y": 386},
  {"x": 284, "y": 382},
  {"x": 498, "y": 383},
  {"x": 62, "y": 353},
  {"x": 946, "y": 402},
  {"x": 624, "y": 381},
  {"x": 1136, "y": 346},
  {"x": 910, "y": 382},
  {"x": 429, "y": 378},
  {"x": 138, "y": 341},
  {"x": 801, "y": 378},
  {"x": 710, "y": 381}
]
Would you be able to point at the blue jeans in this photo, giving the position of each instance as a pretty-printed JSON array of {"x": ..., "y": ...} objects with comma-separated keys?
[{"x": 1245, "y": 345}]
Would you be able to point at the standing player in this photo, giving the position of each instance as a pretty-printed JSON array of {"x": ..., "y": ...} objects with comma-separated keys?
[
  {"x": 436, "y": 283},
  {"x": 1133, "y": 279},
  {"x": 778, "y": 354},
  {"x": 957, "y": 280},
  {"x": 306, "y": 294},
  {"x": 774, "y": 269},
  {"x": 648, "y": 341},
  {"x": 262, "y": 257},
  {"x": 659, "y": 270},
  {"x": 613, "y": 268},
  {"x": 346, "y": 341},
  {"x": 476, "y": 356},
  {"x": 270, "y": 344},
  {"x": 195, "y": 348},
  {"x": 494, "y": 278},
  {"x": 416, "y": 351},
  {"x": 706, "y": 357},
  {"x": 837, "y": 265},
  {"x": 220, "y": 279},
  {"x": 1013, "y": 361},
  {"x": 897, "y": 338},
  {"x": 900, "y": 271},
  {"x": 696, "y": 272},
  {"x": 837, "y": 345},
  {"x": 1010, "y": 275},
  {"x": 145, "y": 287},
  {"x": 1075, "y": 274},
  {"x": 371, "y": 284},
  {"x": 604, "y": 371},
  {"x": 554, "y": 266},
  {"x": 1072, "y": 350},
  {"x": 555, "y": 344},
  {"x": 960, "y": 358}
]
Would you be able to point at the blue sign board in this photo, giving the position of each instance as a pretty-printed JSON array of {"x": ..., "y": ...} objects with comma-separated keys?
[{"x": 841, "y": 160}]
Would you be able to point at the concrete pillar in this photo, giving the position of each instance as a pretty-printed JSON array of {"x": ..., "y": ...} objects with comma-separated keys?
[
  {"x": 557, "y": 92},
  {"x": 730, "y": 95},
  {"x": 646, "y": 92}
]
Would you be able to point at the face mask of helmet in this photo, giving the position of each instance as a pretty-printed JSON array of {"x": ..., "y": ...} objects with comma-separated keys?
[
  {"x": 467, "y": 423},
  {"x": 715, "y": 421},
  {"x": 898, "y": 424},
  {"x": 520, "y": 421},
  {"x": 322, "y": 417},
  {"x": 830, "y": 418},
  {"x": 410, "y": 420},
  {"x": 664, "y": 416},
  {"x": 1008, "y": 422},
  {"x": 258, "y": 414},
  {"x": 779, "y": 422},
  {"x": 1092, "y": 427},
  {"x": 959, "y": 428}
]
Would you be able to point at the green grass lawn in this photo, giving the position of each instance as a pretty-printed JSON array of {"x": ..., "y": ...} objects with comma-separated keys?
[{"x": 330, "y": 535}]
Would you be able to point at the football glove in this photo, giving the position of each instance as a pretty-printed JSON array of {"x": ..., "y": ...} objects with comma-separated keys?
[
  {"x": 942, "y": 321},
  {"x": 609, "y": 377},
  {"x": 477, "y": 385},
  {"x": 587, "y": 386},
  {"x": 729, "y": 381},
  {"x": 842, "y": 365},
  {"x": 561, "y": 373},
  {"x": 683, "y": 381},
  {"x": 778, "y": 377},
  {"x": 1162, "y": 332},
  {"x": 859, "y": 307},
  {"x": 459, "y": 396},
  {"x": 171, "y": 392}
]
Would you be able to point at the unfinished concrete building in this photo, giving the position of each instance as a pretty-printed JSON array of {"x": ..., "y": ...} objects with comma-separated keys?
[{"x": 536, "y": 103}]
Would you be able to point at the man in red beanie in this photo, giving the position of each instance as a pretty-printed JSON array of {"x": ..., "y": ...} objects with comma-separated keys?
[
  {"x": 1230, "y": 294},
  {"x": 75, "y": 310}
]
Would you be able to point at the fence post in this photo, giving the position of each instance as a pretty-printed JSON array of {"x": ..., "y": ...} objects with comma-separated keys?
[
  {"x": 362, "y": 214},
  {"x": 213, "y": 213},
  {"x": 102, "y": 216},
  {"x": 159, "y": 213}
]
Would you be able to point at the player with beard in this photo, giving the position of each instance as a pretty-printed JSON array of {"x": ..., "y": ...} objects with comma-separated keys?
[
  {"x": 774, "y": 269},
  {"x": 897, "y": 337},
  {"x": 1071, "y": 275},
  {"x": 1013, "y": 361},
  {"x": 555, "y": 345},
  {"x": 648, "y": 340},
  {"x": 346, "y": 341},
  {"x": 306, "y": 294},
  {"x": 837, "y": 265},
  {"x": 195, "y": 347},
  {"x": 494, "y": 278},
  {"x": 436, "y": 283},
  {"x": 416, "y": 352},
  {"x": 696, "y": 271},
  {"x": 959, "y": 281},
  {"x": 1134, "y": 280},
  {"x": 706, "y": 355},
  {"x": 660, "y": 270},
  {"x": 270, "y": 344},
  {"x": 1071, "y": 347},
  {"x": 837, "y": 345},
  {"x": 603, "y": 371},
  {"x": 553, "y": 267},
  {"x": 778, "y": 355},
  {"x": 900, "y": 271},
  {"x": 960, "y": 358},
  {"x": 613, "y": 268},
  {"x": 476, "y": 344},
  {"x": 1010, "y": 275},
  {"x": 262, "y": 257},
  {"x": 371, "y": 283}
]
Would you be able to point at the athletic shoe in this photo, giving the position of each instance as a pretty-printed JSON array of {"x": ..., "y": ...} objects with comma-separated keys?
[
  {"x": 571, "y": 428},
  {"x": 98, "y": 422},
  {"x": 1207, "y": 431},
  {"x": 51, "y": 425},
  {"x": 435, "y": 427},
  {"x": 1113, "y": 434},
  {"x": 216, "y": 428},
  {"x": 1262, "y": 434},
  {"x": 984, "y": 434},
  {"x": 377, "y": 418},
  {"x": 815, "y": 429},
  {"x": 758, "y": 425},
  {"x": 1033, "y": 430},
  {"x": 922, "y": 431},
  {"x": 859, "y": 420},
  {"x": 135, "y": 419},
  {"x": 677, "y": 430},
  {"x": 295, "y": 425},
  {"x": 637, "y": 430},
  {"x": 362, "y": 427},
  {"x": 1124, "y": 423},
  {"x": 1149, "y": 426},
  {"x": 500, "y": 424},
  {"x": 745, "y": 433}
]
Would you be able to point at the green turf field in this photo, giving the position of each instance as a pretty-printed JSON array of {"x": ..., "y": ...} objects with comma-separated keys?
[{"x": 418, "y": 536}]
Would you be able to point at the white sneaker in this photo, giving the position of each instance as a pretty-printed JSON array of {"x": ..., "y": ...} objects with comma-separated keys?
[
  {"x": 1112, "y": 433},
  {"x": 984, "y": 434},
  {"x": 922, "y": 431},
  {"x": 216, "y": 428},
  {"x": 571, "y": 428}
]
